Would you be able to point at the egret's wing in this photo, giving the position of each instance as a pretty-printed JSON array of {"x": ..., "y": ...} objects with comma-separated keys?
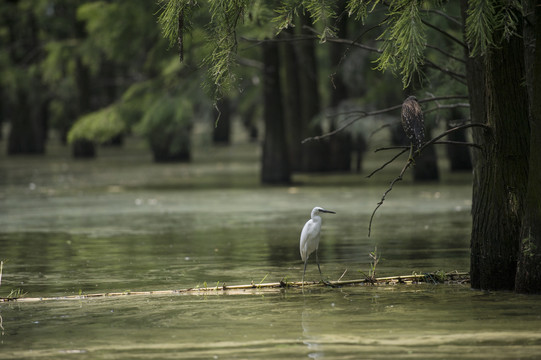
[{"x": 309, "y": 239}]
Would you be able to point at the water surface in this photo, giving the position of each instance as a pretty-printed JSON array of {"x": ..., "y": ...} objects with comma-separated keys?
[{"x": 122, "y": 223}]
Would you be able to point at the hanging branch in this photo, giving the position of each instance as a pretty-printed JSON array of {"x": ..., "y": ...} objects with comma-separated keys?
[
  {"x": 181, "y": 35},
  {"x": 412, "y": 160}
]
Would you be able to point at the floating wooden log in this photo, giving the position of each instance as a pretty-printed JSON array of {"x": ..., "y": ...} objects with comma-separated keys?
[{"x": 454, "y": 277}]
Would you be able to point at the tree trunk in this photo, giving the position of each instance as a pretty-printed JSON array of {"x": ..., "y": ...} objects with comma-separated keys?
[
  {"x": 173, "y": 146},
  {"x": 459, "y": 156},
  {"x": 528, "y": 279},
  {"x": 314, "y": 153},
  {"x": 292, "y": 102},
  {"x": 275, "y": 163},
  {"x": 222, "y": 130},
  {"x": 26, "y": 135},
  {"x": 426, "y": 165},
  {"x": 340, "y": 145},
  {"x": 83, "y": 148},
  {"x": 499, "y": 100},
  {"x": 27, "y": 132}
]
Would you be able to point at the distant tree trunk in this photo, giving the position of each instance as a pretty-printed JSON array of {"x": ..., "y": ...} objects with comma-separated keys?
[
  {"x": 340, "y": 145},
  {"x": 174, "y": 146},
  {"x": 292, "y": 101},
  {"x": 426, "y": 165},
  {"x": 528, "y": 279},
  {"x": 248, "y": 120},
  {"x": 26, "y": 135},
  {"x": 499, "y": 100},
  {"x": 83, "y": 148},
  {"x": 275, "y": 163},
  {"x": 459, "y": 156},
  {"x": 314, "y": 153},
  {"x": 27, "y": 132},
  {"x": 221, "y": 132}
]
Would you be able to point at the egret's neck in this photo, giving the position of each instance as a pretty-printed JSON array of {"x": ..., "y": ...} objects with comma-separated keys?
[{"x": 316, "y": 218}]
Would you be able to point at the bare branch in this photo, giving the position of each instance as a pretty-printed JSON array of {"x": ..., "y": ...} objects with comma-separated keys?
[
  {"x": 404, "y": 149},
  {"x": 364, "y": 114},
  {"x": 414, "y": 156},
  {"x": 447, "y": 106},
  {"x": 445, "y": 53},
  {"x": 448, "y": 17},
  {"x": 456, "y": 76},
  {"x": 391, "y": 148},
  {"x": 448, "y": 142},
  {"x": 445, "y": 33},
  {"x": 397, "y": 179}
]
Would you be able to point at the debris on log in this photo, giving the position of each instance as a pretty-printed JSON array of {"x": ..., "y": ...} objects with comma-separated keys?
[{"x": 454, "y": 277}]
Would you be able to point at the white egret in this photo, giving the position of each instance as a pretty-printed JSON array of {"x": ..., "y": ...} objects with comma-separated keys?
[{"x": 310, "y": 237}]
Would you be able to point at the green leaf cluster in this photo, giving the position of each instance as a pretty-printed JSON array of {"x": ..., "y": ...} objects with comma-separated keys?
[
  {"x": 98, "y": 126},
  {"x": 487, "y": 18},
  {"x": 404, "y": 40}
]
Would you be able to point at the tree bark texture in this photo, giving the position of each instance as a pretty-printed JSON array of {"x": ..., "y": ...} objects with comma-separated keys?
[
  {"x": 499, "y": 100},
  {"x": 528, "y": 279},
  {"x": 275, "y": 164}
]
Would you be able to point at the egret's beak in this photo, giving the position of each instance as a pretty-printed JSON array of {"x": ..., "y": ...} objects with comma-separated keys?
[{"x": 327, "y": 211}]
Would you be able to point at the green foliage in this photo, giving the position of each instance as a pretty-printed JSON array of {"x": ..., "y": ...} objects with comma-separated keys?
[
  {"x": 98, "y": 126},
  {"x": 359, "y": 9},
  {"x": 486, "y": 18},
  {"x": 225, "y": 17},
  {"x": 404, "y": 40},
  {"x": 165, "y": 115},
  {"x": 173, "y": 12},
  {"x": 113, "y": 26},
  {"x": 320, "y": 11},
  {"x": 287, "y": 12},
  {"x": 480, "y": 25}
]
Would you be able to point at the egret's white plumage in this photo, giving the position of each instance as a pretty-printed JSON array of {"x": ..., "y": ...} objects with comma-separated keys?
[{"x": 310, "y": 237}]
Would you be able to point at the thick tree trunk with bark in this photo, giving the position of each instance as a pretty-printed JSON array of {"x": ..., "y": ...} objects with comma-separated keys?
[
  {"x": 275, "y": 164},
  {"x": 528, "y": 279},
  {"x": 499, "y": 100}
]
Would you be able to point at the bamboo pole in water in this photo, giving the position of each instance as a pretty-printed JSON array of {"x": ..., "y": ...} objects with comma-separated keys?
[{"x": 428, "y": 278}]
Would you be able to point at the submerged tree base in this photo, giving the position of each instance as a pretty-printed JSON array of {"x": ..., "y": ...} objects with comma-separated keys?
[{"x": 439, "y": 277}]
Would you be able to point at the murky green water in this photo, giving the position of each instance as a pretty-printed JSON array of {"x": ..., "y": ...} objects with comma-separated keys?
[{"x": 122, "y": 223}]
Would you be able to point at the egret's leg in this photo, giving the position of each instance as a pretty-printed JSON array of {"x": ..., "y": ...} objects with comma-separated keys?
[
  {"x": 317, "y": 260},
  {"x": 320, "y": 273},
  {"x": 304, "y": 272},
  {"x": 410, "y": 157}
]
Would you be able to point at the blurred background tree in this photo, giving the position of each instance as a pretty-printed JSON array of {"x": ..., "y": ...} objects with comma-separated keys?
[{"x": 96, "y": 70}]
